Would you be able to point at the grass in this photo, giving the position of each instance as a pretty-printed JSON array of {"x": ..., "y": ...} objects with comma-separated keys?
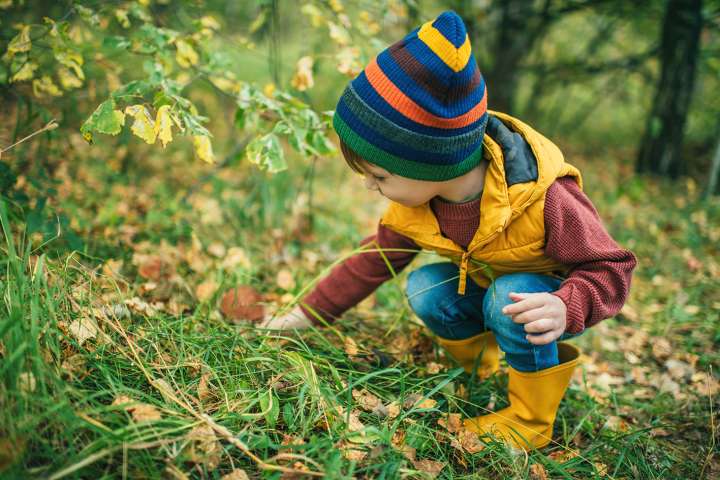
[{"x": 218, "y": 396}]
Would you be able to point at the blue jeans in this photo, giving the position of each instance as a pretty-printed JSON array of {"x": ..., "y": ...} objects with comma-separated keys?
[{"x": 432, "y": 294}]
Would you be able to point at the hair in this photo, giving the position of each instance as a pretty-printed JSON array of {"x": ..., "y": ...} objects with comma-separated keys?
[{"x": 352, "y": 158}]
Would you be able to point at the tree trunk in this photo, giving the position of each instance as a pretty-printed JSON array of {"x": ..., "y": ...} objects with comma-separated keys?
[
  {"x": 522, "y": 23},
  {"x": 660, "y": 151},
  {"x": 713, "y": 186}
]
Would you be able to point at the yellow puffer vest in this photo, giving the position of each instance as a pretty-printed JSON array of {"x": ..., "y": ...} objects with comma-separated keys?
[{"x": 511, "y": 235}]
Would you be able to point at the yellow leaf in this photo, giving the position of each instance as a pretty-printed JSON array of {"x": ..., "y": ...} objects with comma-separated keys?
[
  {"x": 339, "y": 34},
  {"x": 203, "y": 148},
  {"x": 348, "y": 61},
  {"x": 186, "y": 56},
  {"x": 336, "y": 6},
  {"x": 163, "y": 125},
  {"x": 45, "y": 86},
  {"x": 20, "y": 42},
  {"x": 209, "y": 22},
  {"x": 121, "y": 15},
  {"x": 315, "y": 14},
  {"x": 142, "y": 126},
  {"x": 26, "y": 72},
  {"x": 303, "y": 78},
  {"x": 68, "y": 79}
]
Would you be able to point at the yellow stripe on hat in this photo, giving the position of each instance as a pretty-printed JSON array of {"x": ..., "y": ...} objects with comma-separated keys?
[{"x": 455, "y": 58}]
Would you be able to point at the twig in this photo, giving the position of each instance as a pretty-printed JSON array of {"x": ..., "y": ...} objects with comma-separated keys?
[{"x": 51, "y": 125}]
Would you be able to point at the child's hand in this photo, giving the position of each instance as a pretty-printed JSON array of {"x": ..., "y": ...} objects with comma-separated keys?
[
  {"x": 294, "y": 319},
  {"x": 543, "y": 314}
]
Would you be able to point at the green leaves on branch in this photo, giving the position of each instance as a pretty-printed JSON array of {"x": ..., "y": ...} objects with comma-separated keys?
[
  {"x": 48, "y": 55},
  {"x": 267, "y": 153},
  {"x": 282, "y": 115},
  {"x": 105, "y": 119}
]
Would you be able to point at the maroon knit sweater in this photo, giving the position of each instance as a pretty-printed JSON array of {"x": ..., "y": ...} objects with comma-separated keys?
[{"x": 596, "y": 286}]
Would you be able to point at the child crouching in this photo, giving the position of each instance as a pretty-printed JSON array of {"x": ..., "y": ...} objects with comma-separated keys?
[{"x": 530, "y": 261}]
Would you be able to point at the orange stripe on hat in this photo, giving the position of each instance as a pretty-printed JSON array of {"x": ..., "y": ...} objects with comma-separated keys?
[{"x": 405, "y": 105}]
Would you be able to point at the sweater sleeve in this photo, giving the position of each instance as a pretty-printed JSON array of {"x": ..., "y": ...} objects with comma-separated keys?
[
  {"x": 598, "y": 282},
  {"x": 358, "y": 276}
]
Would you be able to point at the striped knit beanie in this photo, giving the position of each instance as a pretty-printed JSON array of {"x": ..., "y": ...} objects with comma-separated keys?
[{"x": 419, "y": 109}]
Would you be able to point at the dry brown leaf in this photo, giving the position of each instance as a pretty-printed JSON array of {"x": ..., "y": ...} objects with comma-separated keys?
[
  {"x": 285, "y": 279},
  {"x": 393, "y": 409},
  {"x": 203, "y": 390},
  {"x": 142, "y": 412},
  {"x": 242, "y": 303},
  {"x": 705, "y": 384},
  {"x": 152, "y": 267},
  {"x": 661, "y": 348},
  {"x": 434, "y": 368},
  {"x": 236, "y": 257},
  {"x": 237, "y": 474},
  {"x": 83, "y": 329},
  {"x": 452, "y": 422},
  {"x": 616, "y": 424},
  {"x": 678, "y": 369},
  {"x": 353, "y": 453},
  {"x": 217, "y": 250},
  {"x": 468, "y": 441},
  {"x": 351, "y": 347},
  {"x": 538, "y": 472},
  {"x": 204, "y": 447},
  {"x": 366, "y": 400},
  {"x": 430, "y": 467},
  {"x": 167, "y": 392},
  {"x": 206, "y": 290},
  {"x": 601, "y": 468}
]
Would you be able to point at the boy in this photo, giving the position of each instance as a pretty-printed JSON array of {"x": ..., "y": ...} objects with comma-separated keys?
[{"x": 533, "y": 261}]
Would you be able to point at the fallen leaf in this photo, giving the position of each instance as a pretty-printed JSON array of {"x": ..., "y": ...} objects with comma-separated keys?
[
  {"x": 434, "y": 368},
  {"x": 206, "y": 290},
  {"x": 83, "y": 329},
  {"x": 661, "y": 348},
  {"x": 366, "y": 400},
  {"x": 467, "y": 441},
  {"x": 242, "y": 303},
  {"x": 204, "y": 447},
  {"x": 285, "y": 279},
  {"x": 538, "y": 472},
  {"x": 236, "y": 257},
  {"x": 237, "y": 474},
  {"x": 145, "y": 413},
  {"x": 431, "y": 467},
  {"x": 351, "y": 347},
  {"x": 452, "y": 422},
  {"x": 678, "y": 369}
]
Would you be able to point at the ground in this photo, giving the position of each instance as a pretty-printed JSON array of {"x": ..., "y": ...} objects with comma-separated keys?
[{"x": 125, "y": 366}]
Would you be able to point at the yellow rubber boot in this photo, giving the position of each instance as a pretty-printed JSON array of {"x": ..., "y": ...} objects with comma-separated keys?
[
  {"x": 465, "y": 352},
  {"x": 534, "y": 400}
]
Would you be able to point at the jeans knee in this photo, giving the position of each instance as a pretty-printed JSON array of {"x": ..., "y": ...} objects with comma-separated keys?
[
  {"x": 498, "y": 296},
  {"x": 421, "y": 289}
]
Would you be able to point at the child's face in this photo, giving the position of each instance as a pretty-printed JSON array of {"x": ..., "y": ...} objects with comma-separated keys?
[{"x": 405, "y": 191}]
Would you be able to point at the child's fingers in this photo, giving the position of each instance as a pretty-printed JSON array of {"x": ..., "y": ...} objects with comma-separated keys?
[
  {"x": 528, "y": 302},
  {"x": 544, "y": 338},
  {"x": 530, "y": 315},
  {"x": 540, "y": 326}
]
